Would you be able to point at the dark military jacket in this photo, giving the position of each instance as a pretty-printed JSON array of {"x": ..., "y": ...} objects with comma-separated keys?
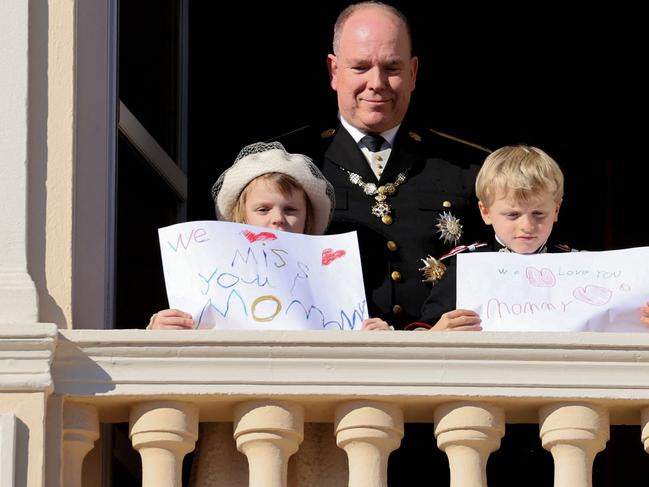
[
  {"x": 440, "y": 177},
  {"x": 442, "y": 297}
]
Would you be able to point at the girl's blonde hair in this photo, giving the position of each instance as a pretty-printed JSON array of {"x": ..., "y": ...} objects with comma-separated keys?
[
  {"x": 520, "y": 171},
  {"x": 286, "y": 185}
]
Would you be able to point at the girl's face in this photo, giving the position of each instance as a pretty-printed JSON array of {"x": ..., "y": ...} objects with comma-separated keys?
[
  {"x": 267, "y": 207},
  {"x": 522, "y": 226}
]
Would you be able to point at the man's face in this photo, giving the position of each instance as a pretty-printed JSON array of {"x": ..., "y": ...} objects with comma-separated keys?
[{"x": 373, "y": 72}]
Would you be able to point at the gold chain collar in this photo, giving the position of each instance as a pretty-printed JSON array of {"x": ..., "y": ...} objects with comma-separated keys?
[{"x": 381, "y": 208}]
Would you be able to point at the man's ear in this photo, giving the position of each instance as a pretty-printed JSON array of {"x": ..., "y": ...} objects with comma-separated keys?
[
  {"x": 484, "y": 213},
  {"x": 332, "y": 67},
  {"x": 556, "y": 210},
  {"x": 414, "y": 65}
]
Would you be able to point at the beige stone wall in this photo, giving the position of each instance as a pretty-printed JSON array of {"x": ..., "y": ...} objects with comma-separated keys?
[
  {"x": 29, "y": 409},
  {"x": 55, "y": 286},
  {"x": 17, "y": 291}
]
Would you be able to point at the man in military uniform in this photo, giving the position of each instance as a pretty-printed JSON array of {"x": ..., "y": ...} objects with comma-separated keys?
[{"x": 407, "y": 192}]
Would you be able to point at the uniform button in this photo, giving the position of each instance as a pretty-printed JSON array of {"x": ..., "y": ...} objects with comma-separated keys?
[
  {"x": 396, "y": 276},
  {"x": 386, "y": 220},
  {"x": 392, "y": 245},
  {"x": 326, "y": 134},
  {"x": 447, "y": 204},
  {"x": 397, "y": 309}
]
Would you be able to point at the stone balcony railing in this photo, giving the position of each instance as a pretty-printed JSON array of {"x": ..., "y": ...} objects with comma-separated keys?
[{"x": 269, "y": 384}]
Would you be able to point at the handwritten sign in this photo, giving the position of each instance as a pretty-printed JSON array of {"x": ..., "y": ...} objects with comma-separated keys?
[
  {"x": 576, "y": 291},
  {"x": 234, "y": 276}
]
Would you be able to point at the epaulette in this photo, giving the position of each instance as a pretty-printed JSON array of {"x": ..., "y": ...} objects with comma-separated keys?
[
  {"x": 434, "y": 268},
  {"x": 324, "y": 134},
  {"x": 309, "y": 139},
  {"x": 286, "y": 134},
  {"x": 461, "y": 141}
]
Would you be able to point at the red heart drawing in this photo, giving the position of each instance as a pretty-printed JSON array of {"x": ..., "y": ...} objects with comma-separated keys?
[
  {"x": 540, "y": 278},
  {"x": 595, "y": 295},
  {"x": 328, "y": 255},
  {"x": 253, "y": 237}
]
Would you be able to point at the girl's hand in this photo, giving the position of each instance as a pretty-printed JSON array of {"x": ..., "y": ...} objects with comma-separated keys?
[{"x": 171, "y": 319}]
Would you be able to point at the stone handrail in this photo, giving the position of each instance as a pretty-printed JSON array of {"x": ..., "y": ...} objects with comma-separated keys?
[{"x": 406, "y": 368}]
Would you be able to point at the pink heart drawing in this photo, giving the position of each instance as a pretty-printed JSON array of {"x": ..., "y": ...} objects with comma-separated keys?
[
  {"x": 253, "y": 237},
  {"x": 329, "y": 255},
  {"x": 595, "y": 295},
  {"x": 540, "y": 278}
]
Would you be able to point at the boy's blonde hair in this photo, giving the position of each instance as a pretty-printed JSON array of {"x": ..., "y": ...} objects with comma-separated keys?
[
  {"x": 520, "y": 171},
  {"x": 286, "y": 185}
]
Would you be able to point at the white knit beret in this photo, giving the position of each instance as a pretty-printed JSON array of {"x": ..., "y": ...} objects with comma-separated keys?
[{"x": 261, "y": 158}]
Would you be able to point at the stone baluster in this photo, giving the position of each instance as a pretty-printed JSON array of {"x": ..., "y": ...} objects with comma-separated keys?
[
  {"x": 468, "y": 433},
  {"x": 573, "y": 433},
  {"x": 163, "y": 432},
  {"x": 80, "y": 431},
  {"x": 368, "y": 431},
  {"x": 268, "y": 433}
]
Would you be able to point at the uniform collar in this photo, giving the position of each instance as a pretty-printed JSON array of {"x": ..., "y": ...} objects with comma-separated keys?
[
  {"x": 501, "y": 247},
  {"x": 344, "y": 152},
  {"x": 357, "y": 135}
]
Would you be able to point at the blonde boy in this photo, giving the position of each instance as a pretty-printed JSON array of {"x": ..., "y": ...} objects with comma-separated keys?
[{"x": 520, "y": 190}]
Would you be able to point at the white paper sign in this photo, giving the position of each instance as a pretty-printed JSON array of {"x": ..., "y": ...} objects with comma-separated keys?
[
  {"x": 576, "y": 291},
  {"x": 234, "y": 276}
]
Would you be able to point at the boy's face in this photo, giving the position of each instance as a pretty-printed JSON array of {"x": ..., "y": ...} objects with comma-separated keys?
[
  {"x": 523, "y": 226},
  {"x": 267, "y": 207}
]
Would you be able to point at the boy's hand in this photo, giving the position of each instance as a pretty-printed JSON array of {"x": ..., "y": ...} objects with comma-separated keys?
[
  {"x": 644, "y": 314},
  {"x": 458, "y": 320},
  {"x": 376, "y": 324},
  {"x": 171, "y": 319}
]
